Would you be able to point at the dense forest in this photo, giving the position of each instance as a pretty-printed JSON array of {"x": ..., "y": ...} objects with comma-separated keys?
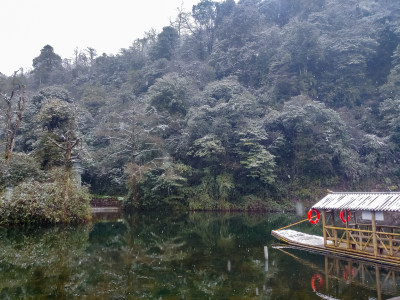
[{"x": 233, "y": 105}]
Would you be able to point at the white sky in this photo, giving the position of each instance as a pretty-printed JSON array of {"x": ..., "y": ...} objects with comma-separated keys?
[{"x": 26, "y": 26}]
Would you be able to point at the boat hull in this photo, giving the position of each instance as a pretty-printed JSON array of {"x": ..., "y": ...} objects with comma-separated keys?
[{"x": 315, "y": 243}]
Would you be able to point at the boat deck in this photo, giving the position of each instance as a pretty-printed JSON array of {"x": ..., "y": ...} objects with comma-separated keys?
[
  {"x": 296, "y": 237},
  {"x": 316, "y": 244}
]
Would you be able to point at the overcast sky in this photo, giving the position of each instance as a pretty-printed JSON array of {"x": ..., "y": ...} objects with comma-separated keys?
[{"x": 105, "y": 25}]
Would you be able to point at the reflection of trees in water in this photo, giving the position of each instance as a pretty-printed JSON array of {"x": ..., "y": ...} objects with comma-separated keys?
[
  {"x": 142, "y": 256},
  {"x": 41, "y": 261},
  {"x": 168, "y": 249},
  {"x": 212, "y": 230},
  {"x": 132, "y": 260},
  {"x": 237, "y": 261}
]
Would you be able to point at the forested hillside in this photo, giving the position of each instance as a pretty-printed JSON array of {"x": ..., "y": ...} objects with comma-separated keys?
[{"x": 246, "y": 105}]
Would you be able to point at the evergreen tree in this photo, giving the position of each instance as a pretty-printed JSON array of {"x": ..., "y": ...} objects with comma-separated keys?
[{"x": 46, "y": 65}]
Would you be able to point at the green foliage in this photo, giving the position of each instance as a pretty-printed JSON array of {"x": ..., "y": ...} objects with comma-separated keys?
[
  {"x": 46, "y": 153},
  {"x": 258, "y": 162},
  {"x": 204, "y": 13},
  {"x": 205, "y": 195},
  {"x": 303, "y": 46},
  {"x": 93, "y": 98},
  {"x": 390, "y": 111},
  {"x": 256, "y": 203},
  {"x": 262, "y": 101},
  {"x": 226, "y": 185},
  {"x": 43, "y": 202},
  {"x": 58, "y": 142},
  {"x": 250, "y": 61},
  {"x": 207, "y": 147},
  {"x": 310, "y": 136},
  {"x": 386, "y": 56},
  {"x": 166, "y": 43},
  {"x": 222, "y": 91},
  {"x": 46, "y": 65},
  {"x": 21, "y": 167},
  {"x": 169, "y": 93},
  {"x": 51, "y": 92},
  {"x": 56, "y": 114},
  {"x": 391, "y": 88},
  {"x": 162, "y": 188}
]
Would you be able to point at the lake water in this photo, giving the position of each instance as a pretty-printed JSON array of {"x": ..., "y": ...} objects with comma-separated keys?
[{"x": 179, "y": 256}]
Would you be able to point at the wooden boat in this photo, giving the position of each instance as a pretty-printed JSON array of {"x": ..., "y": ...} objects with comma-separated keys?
[{"x": 357, "y": 225}]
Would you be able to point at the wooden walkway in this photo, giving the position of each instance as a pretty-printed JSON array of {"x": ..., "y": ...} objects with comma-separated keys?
[{"x": 105, "y": 209}]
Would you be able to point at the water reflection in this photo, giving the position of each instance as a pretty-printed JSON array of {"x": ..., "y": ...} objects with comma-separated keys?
[
  {"x": 171, "y": 256},
  {"x": 339, "y": 277}
]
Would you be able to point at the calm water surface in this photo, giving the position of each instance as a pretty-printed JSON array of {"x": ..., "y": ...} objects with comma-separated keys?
[{"x": 182, "y": 256}]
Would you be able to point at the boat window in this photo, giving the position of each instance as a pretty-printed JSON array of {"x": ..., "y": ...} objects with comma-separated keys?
[{"x": 367, "y": 215}]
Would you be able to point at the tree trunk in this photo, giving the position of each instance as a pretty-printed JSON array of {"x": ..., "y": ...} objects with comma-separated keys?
[{"x": 12, "y": 128}]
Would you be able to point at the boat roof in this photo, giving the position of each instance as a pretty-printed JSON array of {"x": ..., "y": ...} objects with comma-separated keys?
[{"x": 360, "y": 201}]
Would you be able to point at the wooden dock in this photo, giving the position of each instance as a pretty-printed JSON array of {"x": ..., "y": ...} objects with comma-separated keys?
[
  {"x": 104, "y": 206},
  {"x": 107, "y": 209}
]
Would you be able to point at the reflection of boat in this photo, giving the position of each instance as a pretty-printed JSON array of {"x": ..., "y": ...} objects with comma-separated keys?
[
  {"x": 368, "y": 228},
  {"x": 337, "y": 274}
]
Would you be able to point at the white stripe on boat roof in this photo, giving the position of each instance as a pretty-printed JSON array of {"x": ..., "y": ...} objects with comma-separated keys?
[{"x": 360, "y": 201}]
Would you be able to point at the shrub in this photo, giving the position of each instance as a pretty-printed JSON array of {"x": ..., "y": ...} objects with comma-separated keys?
[
  {"x": 34, "y": 202},
  {"x": 20, "y": 167}
]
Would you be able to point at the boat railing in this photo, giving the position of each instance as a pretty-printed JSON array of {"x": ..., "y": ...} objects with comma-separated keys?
[{"x": 383, "y": 242}]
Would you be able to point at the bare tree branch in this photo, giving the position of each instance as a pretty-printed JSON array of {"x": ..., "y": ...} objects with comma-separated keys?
[{"x": 12, "y": 125}]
